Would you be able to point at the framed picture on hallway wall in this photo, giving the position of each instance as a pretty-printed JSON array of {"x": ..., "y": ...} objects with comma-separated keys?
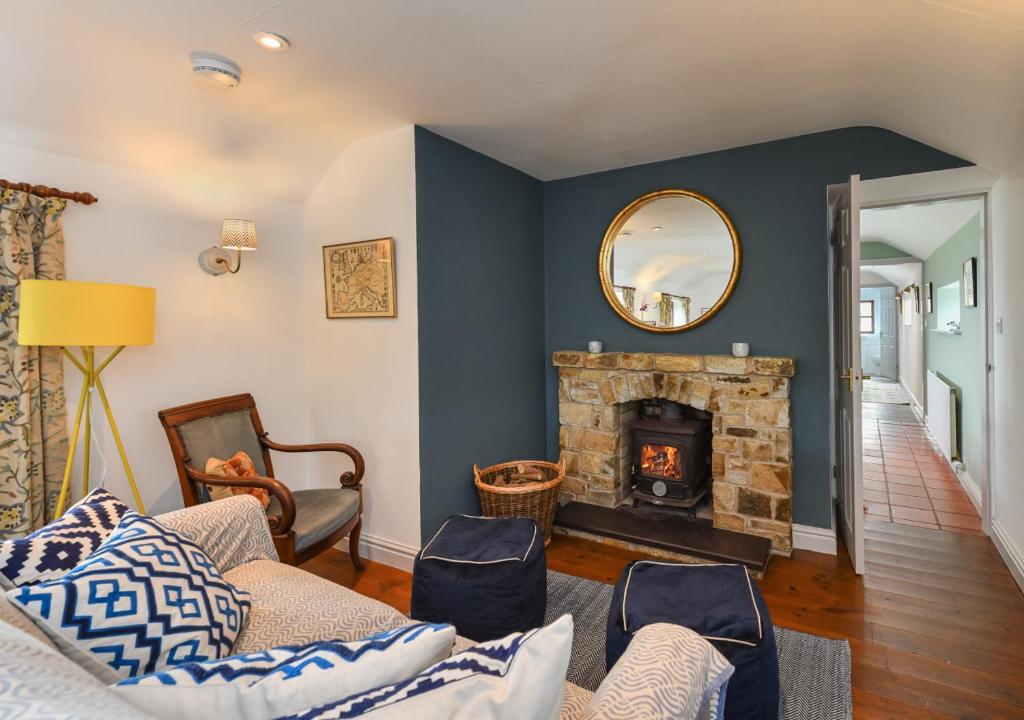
[
  {"x": 928, "y": 307},
  {"x": 359, "y": 279},
  {"x": 970, "y": 282}
]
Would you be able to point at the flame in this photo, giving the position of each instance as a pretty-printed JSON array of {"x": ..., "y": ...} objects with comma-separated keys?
[{"x": 660, "y": 460}]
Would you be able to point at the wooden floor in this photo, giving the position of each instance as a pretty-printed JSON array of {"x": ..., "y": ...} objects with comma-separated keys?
[{"x": 936, "y": 625}]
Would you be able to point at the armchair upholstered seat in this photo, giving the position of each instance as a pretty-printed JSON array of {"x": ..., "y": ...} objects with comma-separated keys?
[{"x": 303, "y": 523}]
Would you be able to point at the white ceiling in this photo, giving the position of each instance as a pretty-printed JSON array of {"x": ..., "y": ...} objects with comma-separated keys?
[
  {"x": 919, "y": 229},
  {"x": 554, "y": 88},
  {"x": 899, "y": 276}
]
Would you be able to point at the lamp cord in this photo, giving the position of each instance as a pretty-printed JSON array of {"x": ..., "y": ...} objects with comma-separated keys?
[{"x": 98, "y": 445}]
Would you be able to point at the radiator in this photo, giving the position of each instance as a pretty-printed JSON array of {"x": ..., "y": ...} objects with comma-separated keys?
[{"x": 941, "y": 415}]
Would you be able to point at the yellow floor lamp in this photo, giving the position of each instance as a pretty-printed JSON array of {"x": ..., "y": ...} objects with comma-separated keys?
[{"x": 88, "y": 315}]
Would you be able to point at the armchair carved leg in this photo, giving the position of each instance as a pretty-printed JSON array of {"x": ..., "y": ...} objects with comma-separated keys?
[{"x": 353, "y": 545}]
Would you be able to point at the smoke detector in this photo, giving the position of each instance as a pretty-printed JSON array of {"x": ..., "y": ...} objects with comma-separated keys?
[{"x": 215, "y": 69}]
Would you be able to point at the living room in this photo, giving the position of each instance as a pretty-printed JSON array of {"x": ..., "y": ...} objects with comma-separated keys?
[{"x": 497, "y": 162}]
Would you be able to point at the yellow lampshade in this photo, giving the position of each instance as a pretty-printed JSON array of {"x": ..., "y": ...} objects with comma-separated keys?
[{"x": 62, "y": 312}]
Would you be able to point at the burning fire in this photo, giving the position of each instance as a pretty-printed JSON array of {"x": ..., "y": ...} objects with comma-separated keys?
[{"x": 660, "y": 460}]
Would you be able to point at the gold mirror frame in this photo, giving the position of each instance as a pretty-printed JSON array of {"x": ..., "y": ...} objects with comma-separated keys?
[{"x": 604, "y": 260}]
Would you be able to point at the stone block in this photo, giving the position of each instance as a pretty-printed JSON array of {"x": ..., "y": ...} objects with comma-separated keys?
[
  {"x": 725, "y": 497},
  {"x": 782, "y": 509},
  {"x": 601, "y": 482},
  {"x": 571, "y": 458},
  {"x": 729, "y": 521},
  {"x": 737, "y": 477},
  {"x": 767, "y": 413},
  {"x": 741, "y": 432},
  {"x": 575, "y": 414},
  {"x": 753, "y": 504},
  {"x": 775, "y": 478},
  {"x": 780, "y": 387},
  {"x": 700, "y": 393},
  {"x": 785, "y": 367},
  {"x": 725, "y": 364},
  {"x": 605, "y": 417},
  {"x": 718, "y": 465},
  {"x": 678, "y": 363},
  {"x": 639, "y": 361},
  {"x": 604, "y": 361},
  {"x": 739, "y": 464},
  {"x": 758, "y": 388},
  {"x": 584, "y": 391},
  {"x": 599, "y": 441},
  {"x": 567, "y": 358},
  {"x": 606, "y": 392},
  {"x": 758, "y": 450},
  {"x": 724, "y": 444},
  {"x": 604, "y": 498},
  {"x": 598, "y": 463},
  {"x": 573, "y": 484}
]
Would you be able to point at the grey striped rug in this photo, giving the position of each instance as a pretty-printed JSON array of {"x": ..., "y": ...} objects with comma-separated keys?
[{"x": 814, "y": 672}]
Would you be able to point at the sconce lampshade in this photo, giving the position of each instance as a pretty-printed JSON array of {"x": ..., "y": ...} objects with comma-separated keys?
[
  {"x": 237, "y": 234},
  {"x": 67, "y": 313}
]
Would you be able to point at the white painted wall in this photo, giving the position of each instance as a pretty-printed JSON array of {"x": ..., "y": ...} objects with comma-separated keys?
[
  {"x": 214, "y": 335},
  {"x": 911, "y": 344},
  {"x": 363, "y": 373},
  {"x": 1007, "y": 207}
]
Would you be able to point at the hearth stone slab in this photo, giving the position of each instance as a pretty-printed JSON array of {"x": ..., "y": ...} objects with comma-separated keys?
[{"x": 663, "y": 534}]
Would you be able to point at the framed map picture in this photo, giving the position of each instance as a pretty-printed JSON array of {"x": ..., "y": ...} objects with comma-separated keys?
[{"x": 359, "y": 279}]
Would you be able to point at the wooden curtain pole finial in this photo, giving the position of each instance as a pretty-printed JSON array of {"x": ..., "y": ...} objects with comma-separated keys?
[{"x": 45, "y": 191}]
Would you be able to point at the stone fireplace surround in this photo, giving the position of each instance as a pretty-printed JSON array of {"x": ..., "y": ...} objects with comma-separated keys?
[{"x": 752, "y": 438}]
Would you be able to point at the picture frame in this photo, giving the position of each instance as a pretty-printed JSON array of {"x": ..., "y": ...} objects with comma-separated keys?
[
  {"x": 929, "y": 301},
  {"x": 970, "y": 282},
  {"x": 359, "y": 279}
]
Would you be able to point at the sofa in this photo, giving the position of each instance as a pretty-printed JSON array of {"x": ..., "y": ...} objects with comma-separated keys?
[{"x": 291, "y": 606}]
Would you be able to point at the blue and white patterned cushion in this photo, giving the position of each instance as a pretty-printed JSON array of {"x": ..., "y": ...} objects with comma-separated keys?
[
  {"x": 519, "y": 676},
  {"x": 51, "y": 551},
  {"x": 265, "y": 685},
  {"x": 146, "y": 599}
]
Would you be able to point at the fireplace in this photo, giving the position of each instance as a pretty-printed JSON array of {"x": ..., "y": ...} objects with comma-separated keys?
[{"x": 672, "y": 457}]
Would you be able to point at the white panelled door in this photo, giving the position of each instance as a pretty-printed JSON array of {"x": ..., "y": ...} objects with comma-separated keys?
[
  {"x": 844, "y": 241},
  {"x": 888, "y": 333}
]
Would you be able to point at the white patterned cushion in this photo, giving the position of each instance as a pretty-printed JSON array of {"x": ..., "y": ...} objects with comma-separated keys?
[
  {"x": 37, "y": 682},
  {"x": 668, "y": 671},
  {"x": 519, "y": 676},
  {"x": 232, "y": 531},
  {"x": 146, "y": 599},
  {"x": 264, "y": 685},
  {"x": 51, "y": 551}
]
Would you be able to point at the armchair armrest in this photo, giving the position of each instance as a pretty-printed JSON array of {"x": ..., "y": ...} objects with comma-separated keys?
[
  {"x": 279, "y": 524},
  {"x": 350, "y": 479},
  {"x": 232, "y": 531},
  {"x": 670, "y": 670}
]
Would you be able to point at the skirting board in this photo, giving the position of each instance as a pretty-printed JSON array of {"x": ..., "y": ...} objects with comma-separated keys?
[
  {"x": 384, "y": 551},
  {"x": 914, "y": 404},
  {"x": 970, "y": 487},
  {"x": 815, "y": 539},
  {"x": 1011, "y": 554}
]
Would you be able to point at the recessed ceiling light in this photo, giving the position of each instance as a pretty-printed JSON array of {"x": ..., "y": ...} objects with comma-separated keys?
[
  {"x": 656, "y": 227},
  {"x": 271, "y": 41}
]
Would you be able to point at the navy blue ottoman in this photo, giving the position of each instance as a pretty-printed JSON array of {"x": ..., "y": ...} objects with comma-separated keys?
[
  {"x": 485, "y": 576},
  {"x": 720, "y": 603}
]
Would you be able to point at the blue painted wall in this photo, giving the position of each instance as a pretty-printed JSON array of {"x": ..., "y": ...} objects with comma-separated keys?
[
  {"x": 479, "y": 227},
  {"x": 775, "y": 194}
]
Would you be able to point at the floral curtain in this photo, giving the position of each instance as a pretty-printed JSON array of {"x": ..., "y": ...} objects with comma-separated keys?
[
  {"x": 629, "y": 299},
  {"x": 665, "y": 311},
  {"x": 33, "y": 426}
]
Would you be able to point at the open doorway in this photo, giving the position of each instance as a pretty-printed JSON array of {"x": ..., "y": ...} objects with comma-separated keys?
[{"x": 922, "y": 354}]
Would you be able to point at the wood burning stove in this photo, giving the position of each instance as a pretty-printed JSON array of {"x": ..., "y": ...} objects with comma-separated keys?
[{"x": 672, "y": 457}]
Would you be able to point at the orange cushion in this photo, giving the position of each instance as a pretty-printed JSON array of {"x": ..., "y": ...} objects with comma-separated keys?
[{"x": 239, "y": 465}]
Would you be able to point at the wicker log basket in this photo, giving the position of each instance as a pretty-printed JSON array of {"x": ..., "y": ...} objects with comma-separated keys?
[{"x": 522, "y": 488}]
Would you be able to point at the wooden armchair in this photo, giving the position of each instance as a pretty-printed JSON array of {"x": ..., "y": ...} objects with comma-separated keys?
[{"x": 303, "y": 523}]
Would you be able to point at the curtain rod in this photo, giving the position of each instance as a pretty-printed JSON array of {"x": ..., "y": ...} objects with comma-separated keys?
[{"x": 44, "y": 191}]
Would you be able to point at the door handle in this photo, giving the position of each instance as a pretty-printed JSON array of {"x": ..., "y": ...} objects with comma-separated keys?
[{"x": 850, "y": 376}]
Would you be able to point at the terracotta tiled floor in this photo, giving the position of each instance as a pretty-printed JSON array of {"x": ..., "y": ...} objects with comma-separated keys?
[{"x": 906, "y": 479}]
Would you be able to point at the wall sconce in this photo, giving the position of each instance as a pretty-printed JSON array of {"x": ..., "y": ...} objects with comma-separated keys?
[{"x": 236, "y": 234}]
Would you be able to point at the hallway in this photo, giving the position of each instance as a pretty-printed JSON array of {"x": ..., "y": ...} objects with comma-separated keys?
[{"x": 906, "y": 479}]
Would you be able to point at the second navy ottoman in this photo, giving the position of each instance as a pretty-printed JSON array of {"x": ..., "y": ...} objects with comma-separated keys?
[
  {"x": 720, "y": 603},
  {"x": 485, "y": 576}
]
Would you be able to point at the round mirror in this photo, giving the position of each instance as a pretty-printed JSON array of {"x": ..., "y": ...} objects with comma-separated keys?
[{"x": 669, "y": 260}]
